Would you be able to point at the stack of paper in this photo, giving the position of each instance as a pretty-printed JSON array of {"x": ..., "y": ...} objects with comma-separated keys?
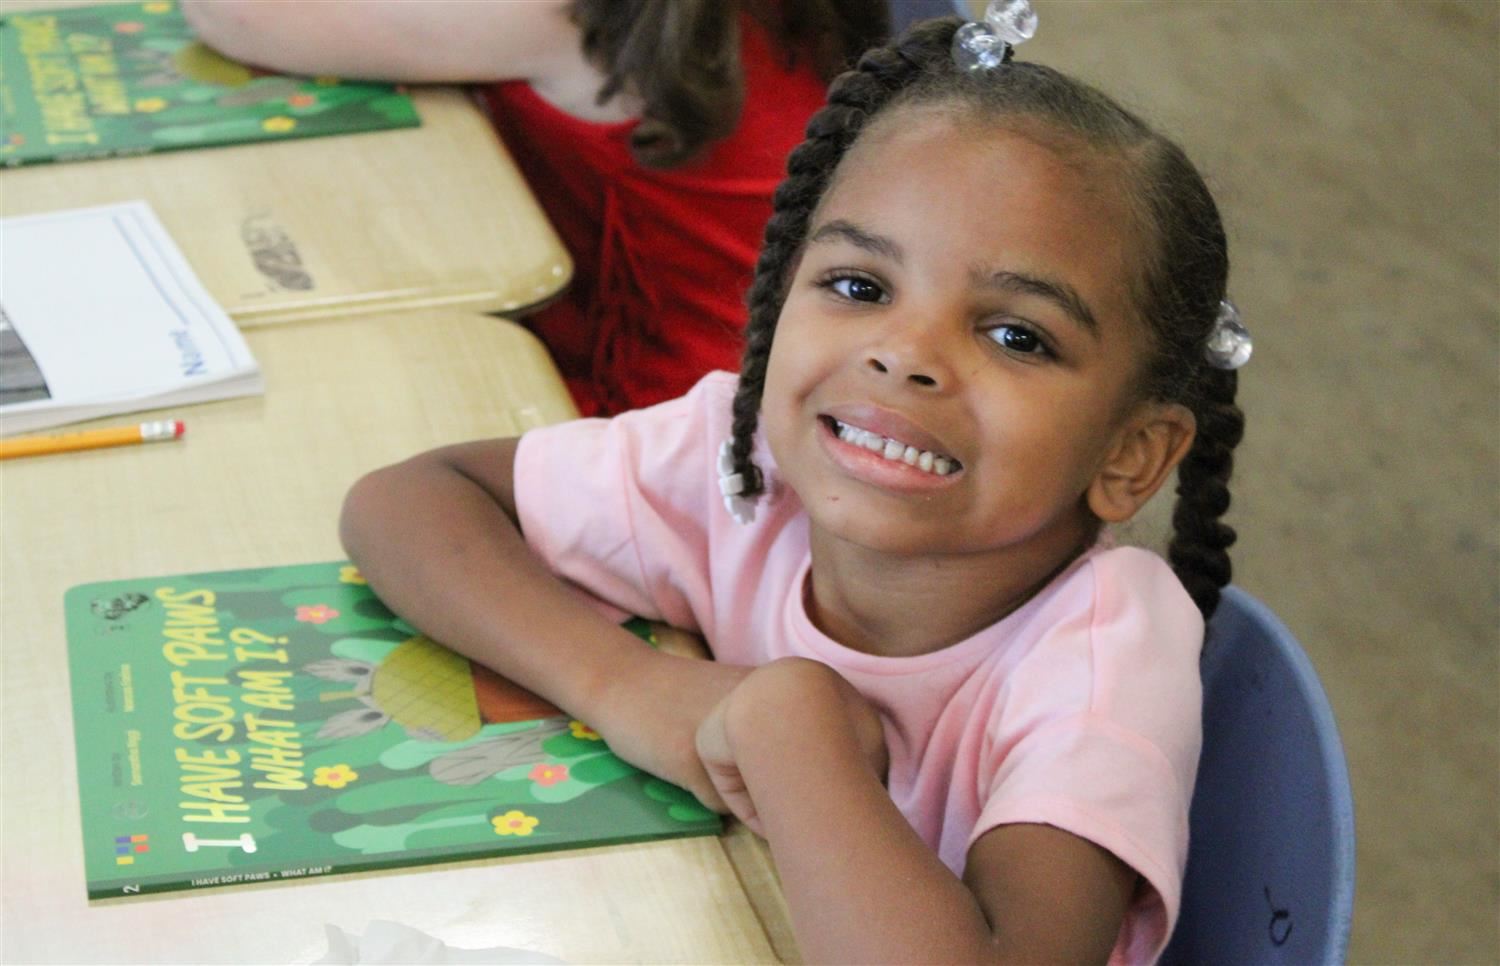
[{"x": 101, "y": 314}]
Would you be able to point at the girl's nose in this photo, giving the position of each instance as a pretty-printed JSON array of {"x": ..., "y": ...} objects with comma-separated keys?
[{"x": 915, "y": 353}]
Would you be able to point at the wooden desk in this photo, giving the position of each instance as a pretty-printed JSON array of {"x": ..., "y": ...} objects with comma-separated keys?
[
  {"x": 259, "y": 481},
  {"x": 426, "y": 216}
]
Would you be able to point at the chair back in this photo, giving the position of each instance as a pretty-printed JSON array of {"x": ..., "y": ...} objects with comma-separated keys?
[{"x": 1270, "y": 872}]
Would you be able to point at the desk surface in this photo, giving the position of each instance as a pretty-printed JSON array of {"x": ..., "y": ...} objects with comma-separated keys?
[
  {"x": 433, "y": 215},
  {"x": 259, "y": 481}
]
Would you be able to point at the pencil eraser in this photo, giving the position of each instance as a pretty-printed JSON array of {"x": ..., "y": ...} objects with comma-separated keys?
[{"x": 178, "y": 428}]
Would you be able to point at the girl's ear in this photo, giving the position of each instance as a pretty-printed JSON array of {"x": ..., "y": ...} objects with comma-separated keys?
[{"x": 1148, "y": 449}]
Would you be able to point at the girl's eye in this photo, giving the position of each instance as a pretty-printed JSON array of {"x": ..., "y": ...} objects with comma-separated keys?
[
  {"x": 1018, "y": 339},
  {"x": 857, "y": 288}
]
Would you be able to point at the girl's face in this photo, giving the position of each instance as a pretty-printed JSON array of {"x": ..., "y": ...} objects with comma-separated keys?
[{"x": 961, "y": 305}]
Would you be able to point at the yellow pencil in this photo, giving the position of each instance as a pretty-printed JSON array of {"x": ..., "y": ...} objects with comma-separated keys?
[{"x": 152, "y": 432}]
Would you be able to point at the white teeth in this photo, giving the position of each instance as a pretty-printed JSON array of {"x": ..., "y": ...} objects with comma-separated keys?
[{"x": 895, "y": 450}]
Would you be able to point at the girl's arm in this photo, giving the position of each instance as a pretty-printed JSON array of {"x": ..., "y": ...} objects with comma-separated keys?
[
  {"x": 791, "y": 753},
  {"x": 444, "y": 41},
  {"x": 437, "y": 539}
]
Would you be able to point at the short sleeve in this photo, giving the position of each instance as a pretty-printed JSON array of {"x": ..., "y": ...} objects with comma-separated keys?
[
  {"x": 1119, "y": 769},
  {"x": 619, "y": 506},
  {"x": 1114, "y": 790}
]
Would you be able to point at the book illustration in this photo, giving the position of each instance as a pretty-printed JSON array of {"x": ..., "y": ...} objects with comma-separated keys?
[
  {"x": 95, "y": 81},
  {"x": 282, "y": 722},
  {"x": 437, "y": 695}
]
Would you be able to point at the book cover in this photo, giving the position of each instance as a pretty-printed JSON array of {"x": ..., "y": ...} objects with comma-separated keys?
[
  {"x": 281, "y": 722},
  {"x": 129, "y": 78}
]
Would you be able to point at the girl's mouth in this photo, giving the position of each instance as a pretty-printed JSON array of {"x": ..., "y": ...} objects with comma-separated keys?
[{"x": 893, "y": 450}]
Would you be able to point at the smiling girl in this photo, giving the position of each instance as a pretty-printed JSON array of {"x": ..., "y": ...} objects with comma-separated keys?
[{"x": 987, "y": 322}]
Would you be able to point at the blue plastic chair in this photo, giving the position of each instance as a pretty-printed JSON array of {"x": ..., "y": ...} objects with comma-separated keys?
[{"x": 1270, "y": 872}]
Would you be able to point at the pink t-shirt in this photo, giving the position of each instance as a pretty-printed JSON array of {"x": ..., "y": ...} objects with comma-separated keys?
[{"x": 1079, "y": 710}]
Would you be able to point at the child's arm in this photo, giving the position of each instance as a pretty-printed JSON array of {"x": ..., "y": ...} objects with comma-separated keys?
[
  {"x": 445, "y": 41},
  {"x": 437, "y": 540},
  {"x": 791, "y": 752}
]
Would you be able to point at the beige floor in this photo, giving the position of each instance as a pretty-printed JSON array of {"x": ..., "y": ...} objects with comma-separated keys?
[{"x": 1355, "y": 150}]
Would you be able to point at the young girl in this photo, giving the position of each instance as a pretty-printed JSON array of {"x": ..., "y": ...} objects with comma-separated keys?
[
  {"x": 985, "y": 325},
  {"x": 652, "y": 132}
]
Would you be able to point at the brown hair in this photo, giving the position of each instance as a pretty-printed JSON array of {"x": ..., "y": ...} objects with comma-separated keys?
[
  {"x": 682, "y": 58},
  {"x": 1181, "y": 278}
]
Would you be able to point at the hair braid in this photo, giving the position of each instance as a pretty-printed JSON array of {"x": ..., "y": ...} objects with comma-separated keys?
[
  {"x": 853, "y": 98},
  {"x": 1184, "y": 287},
  {"x": 1200, "y": 540}
]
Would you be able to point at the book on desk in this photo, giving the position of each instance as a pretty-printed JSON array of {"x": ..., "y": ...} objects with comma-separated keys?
[
  {"x": 129, "y": 78},
  {"x": 279, "y": 723},
  {"x": 100, "y": 314}
]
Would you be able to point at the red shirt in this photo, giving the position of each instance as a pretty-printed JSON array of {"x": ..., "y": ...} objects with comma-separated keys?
[{"x": 662, "y": 258}]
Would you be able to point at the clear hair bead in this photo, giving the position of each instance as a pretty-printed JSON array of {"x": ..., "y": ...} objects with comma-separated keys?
[
  {"x": 983, "y": 45},
  {"x": 1229, "y": 344},
  {"x": 732, "y": 486}
]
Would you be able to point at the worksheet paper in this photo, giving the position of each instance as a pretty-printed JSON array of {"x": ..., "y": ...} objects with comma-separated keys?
[{"x": 100, "y": 313}]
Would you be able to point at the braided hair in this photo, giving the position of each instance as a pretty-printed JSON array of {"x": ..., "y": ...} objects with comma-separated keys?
[{"x": 1179, "y": 282}]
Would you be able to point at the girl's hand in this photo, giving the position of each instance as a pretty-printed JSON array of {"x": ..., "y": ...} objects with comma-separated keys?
[{"x": 792, "y": 687}]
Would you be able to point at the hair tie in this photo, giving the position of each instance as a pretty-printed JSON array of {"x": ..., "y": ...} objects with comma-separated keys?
[
  {"x": 985, "y": 45},
  {"x": 732, "y": 486},
  {"x": 1229, "y": 345}
]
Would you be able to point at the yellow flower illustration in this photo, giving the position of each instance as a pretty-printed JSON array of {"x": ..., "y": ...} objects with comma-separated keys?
[
  {"x": 157, "y": 6},
  {"x": 334, "y": 776},
  {"x": 514, "y": 822},
  {"x": 150, "y": 105},
  {"x": 349, "y": 574},
  {"x": 279, "y": 124},
  {"x": 581, "y": 730}
]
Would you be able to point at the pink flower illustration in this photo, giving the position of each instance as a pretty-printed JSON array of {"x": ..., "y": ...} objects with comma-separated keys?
[
  {"x": 548, "y": 775},
  {"x": 316, "y": 613}
]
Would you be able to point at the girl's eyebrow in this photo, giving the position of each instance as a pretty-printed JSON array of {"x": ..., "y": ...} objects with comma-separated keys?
[
  {"x": 1061, "y": 294},
  {"x": 839, "y": 229}
]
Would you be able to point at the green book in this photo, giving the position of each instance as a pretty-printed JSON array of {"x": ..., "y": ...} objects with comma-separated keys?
[
  {"x": 130, "y": 78},
  {"x": 281, "y": 723}
]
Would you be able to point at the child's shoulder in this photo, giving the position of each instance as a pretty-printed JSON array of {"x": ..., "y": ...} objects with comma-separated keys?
[
  {"x": 1143, "y": 629},
  {"x": 1115, "y": 614},
  {"x": 1127, "y": 585},
  {"x": 715, "y": 387},
  {"x": 1134, "y": 577},
  {"x": 709, "y": 400}
]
